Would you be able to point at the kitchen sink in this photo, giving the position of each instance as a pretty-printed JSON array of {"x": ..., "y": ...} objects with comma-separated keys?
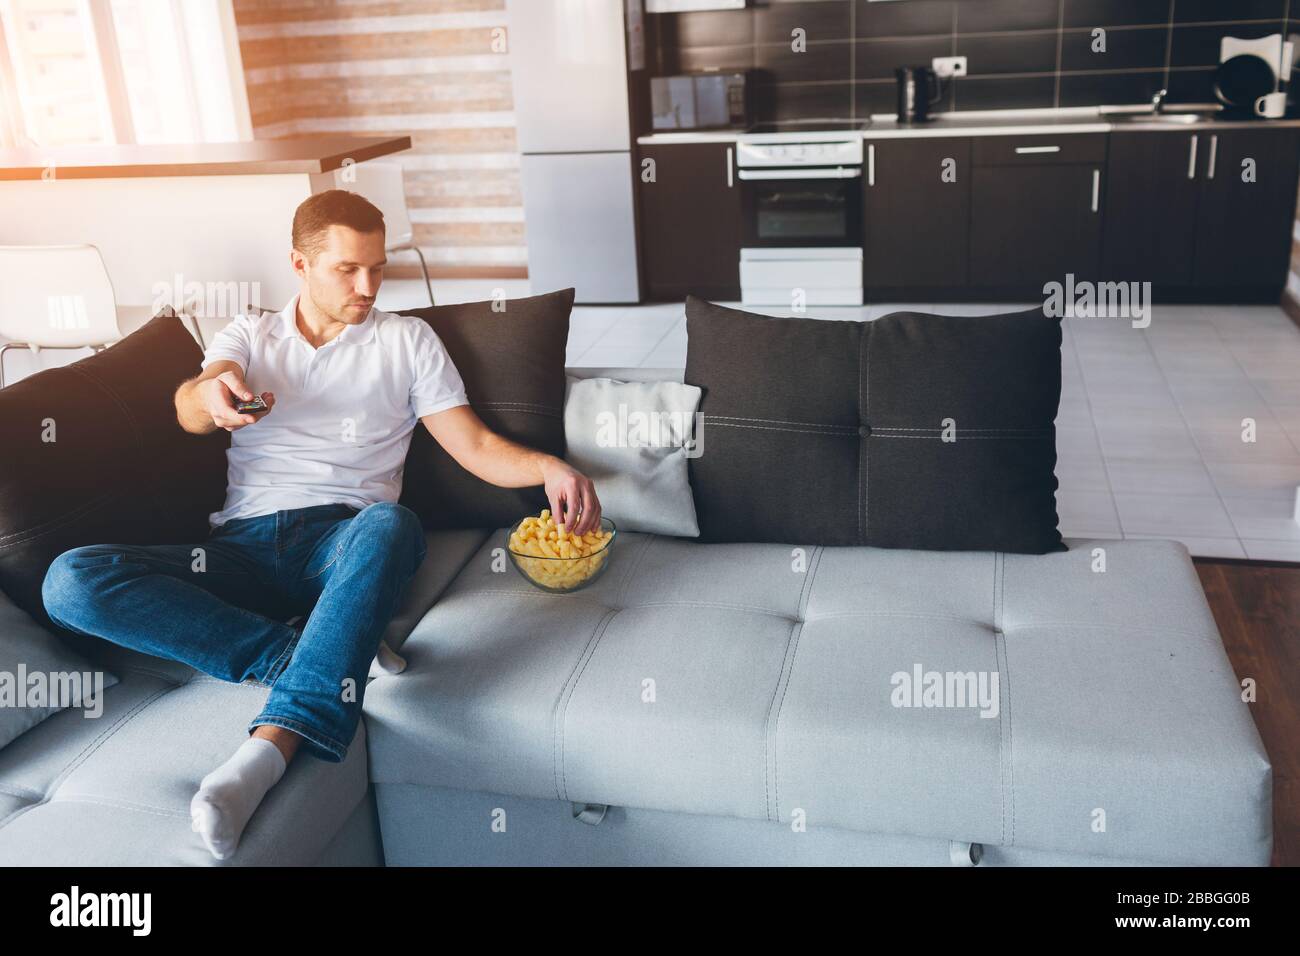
[{"x": 1164, "y": 119}]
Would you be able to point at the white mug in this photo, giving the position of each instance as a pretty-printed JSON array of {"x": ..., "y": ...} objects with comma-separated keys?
[{"x": 1272, "y": 105}]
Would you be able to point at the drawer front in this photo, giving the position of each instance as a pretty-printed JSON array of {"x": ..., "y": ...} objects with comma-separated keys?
[{"x": 1063, "y": 148}]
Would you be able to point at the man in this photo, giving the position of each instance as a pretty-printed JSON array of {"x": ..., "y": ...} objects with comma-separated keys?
[{"x": 311, "y": 524}]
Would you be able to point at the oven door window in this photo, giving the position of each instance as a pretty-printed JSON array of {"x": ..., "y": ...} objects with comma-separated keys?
[{"x": 803, "y": 212}]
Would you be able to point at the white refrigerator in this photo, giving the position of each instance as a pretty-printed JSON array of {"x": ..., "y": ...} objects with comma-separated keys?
[{"x": 569, "y": 71}]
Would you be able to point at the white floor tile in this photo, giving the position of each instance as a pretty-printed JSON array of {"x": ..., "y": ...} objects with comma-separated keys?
[
  {"x": 1201, "y": 516},
  {"x": 1091, "y": 510},
  {"x": 1267, "y": 519},
  {"x": 1272, "y": 550},
  {"x": 1158, "y": 477},
  {"x": 1234, "y": 479},
  {"x": 1198, "y": 546}
]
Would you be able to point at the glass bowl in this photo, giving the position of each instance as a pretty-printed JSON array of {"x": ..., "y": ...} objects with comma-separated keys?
[{"x": 562, "y": 575}]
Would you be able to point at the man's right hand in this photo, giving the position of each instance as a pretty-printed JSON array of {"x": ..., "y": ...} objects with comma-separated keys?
[{"x": 218, "y": 396}]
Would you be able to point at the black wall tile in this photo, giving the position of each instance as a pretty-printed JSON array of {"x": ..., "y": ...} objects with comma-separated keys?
[
  {"x": 1190, "y": 11},
  {"x": 1199, "y": 46},
  {"x": 1114, "y": 88},
  {"x": 983, "y": 16},
  {"x": 1192, "y": 86},
  {"x": 908, "y": 18},
  {"x": 821, "y": 20},
  {"x": 881, "y": 96},
  {"x": 1126, "y": 49},
  {"x": 878, "y": 59},
  {"x": 707, "y": 28},
  {"x": 996, "y": 93},
  {"x": 1001, "y": 38},
  {"x": 792, "y": 101},
  {"x": 699, "y": 58},
  {"x": 820, "y": 61},
  {"x": 1023, "y": 53},
  {"x": 1114, "y": 13}
]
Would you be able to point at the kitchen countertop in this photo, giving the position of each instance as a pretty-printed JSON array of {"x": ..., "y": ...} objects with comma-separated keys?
[
  {"x": 300, "y": 154},
  {"x": 1008, "y": 123}
]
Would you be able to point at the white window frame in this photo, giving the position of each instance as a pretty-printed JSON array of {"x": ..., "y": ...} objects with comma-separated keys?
[{"x": 115, "y": 105}]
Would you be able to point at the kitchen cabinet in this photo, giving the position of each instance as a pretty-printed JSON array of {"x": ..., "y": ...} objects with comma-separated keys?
[
  {"x": 1247, "y": 207},
  {"x": 916, "y": 213},
  {"x": 1180, "y": 215},
  {"x": 1151, "y": 208},
  {"x": 1035, "y": 211},
  {"x": 690, "y": 221}
]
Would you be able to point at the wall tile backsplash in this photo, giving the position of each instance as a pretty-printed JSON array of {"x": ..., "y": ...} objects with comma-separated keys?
[{"x": 1021, "y": 53}]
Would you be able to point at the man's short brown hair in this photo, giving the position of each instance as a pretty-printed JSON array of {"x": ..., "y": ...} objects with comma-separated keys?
[{"x": 333, "y": 207}]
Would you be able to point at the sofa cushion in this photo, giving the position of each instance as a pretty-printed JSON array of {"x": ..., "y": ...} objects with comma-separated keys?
[
  {"x": 93, "y": 454},
  {"x": 115, "y": 790},
  {"x": 511, "y": 359},
  {"x": 633, "y": 439},
  {"x": 912, "y": 431},
  {"x": 757, "y": 680},
  {"x": 27, "y": 649}
]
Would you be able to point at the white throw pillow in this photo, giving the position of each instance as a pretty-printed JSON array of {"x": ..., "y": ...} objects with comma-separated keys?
[
  {"x": 630, "y": 439},
  {"x": 39, "y": 676}
]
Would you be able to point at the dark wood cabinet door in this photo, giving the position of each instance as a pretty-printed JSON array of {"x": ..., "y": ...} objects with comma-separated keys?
[
  {"x": 1248, "y": 203},
  {"x": 690, "y": 221},
  {"x": 1152, "y": 194},
  {"x": 916, "y": 212},
  {"x": 1034, "y": 224}
]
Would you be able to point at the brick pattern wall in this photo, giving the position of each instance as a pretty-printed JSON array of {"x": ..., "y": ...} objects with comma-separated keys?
[{"x": 423, "y": 68}]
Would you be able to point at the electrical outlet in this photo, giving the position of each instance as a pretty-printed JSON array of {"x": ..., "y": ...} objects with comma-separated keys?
[{"x": 949, "y": 65}]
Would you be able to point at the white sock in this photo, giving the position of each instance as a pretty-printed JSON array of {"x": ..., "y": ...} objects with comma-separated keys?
[{"x": 228, "y": 795}]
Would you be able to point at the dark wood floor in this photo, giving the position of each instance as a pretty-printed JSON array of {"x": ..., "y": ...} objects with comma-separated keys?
[{"x": 1257, "y": 607}]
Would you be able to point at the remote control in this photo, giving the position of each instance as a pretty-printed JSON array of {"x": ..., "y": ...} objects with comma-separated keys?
[{"x": 253, "y": 407}]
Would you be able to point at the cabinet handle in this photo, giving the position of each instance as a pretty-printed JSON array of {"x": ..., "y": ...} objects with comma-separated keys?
[
  {"x": 1191, "y": 158},
  {"x": 1096, "y": 189},
  {"x": 871, "y": 164},
  {"x": 1214, "y": 154},
  {"x": 731, "y": 178},
  {"x": 1038, "y": 149}
]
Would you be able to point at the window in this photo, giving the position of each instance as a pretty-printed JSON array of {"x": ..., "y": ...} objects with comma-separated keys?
[{"x": 120, "y": 71}]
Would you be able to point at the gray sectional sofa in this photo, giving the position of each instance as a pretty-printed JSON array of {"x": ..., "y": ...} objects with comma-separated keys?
[{"x": 711, "y": 704}]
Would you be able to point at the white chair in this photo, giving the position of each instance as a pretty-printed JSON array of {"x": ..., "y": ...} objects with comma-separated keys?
[
  {"x": 59, "y": 297},
  {"x": 383, "y": 185}
]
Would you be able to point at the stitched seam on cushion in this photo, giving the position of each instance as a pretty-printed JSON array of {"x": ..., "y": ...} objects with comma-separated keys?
[
  {"x": 86, "y": 751},
  {"x": 66, "y": 518},
  {"x": 505, "y": 407},
  {"x": 1006, "y": 661},
  {"x": 780, "y": 421},
  {"x": 562, "y": 704},
  {"x": 732, "y": 607},
  {"x": 777, "y": 428},
  {"x": 769, "y": 737},
  {"x": 1180, "y": 632},
  {"x": 792, "y": 652},
  {"x": 121, "y": 403},
  {"x": 123, "y": 805},
  {"x": 631, "y": 570},
  {"x": 964, "y": 431},
  {"x": 918, "y": 615},
  {"x": 974, "y": 437},
  {"x": 864, "y": 404}
]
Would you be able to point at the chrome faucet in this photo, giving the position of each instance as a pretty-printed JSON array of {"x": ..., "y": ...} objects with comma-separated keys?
[{"x": 1158, "y": 101}]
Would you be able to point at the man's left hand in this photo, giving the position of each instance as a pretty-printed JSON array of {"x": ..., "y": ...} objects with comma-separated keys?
[{"x": 572, "y": 496}]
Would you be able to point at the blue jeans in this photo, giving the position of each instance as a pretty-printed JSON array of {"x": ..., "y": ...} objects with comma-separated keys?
[{"x": 220, "y": 606}]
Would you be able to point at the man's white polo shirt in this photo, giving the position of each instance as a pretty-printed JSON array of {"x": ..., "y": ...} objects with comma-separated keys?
[{"x": 343, "y": 414}]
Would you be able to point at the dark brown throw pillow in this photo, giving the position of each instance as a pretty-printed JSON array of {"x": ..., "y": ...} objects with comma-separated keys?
[
  {"x": 913, "y": 431},
  {"x": 512, "y": 363},
  {"x": 91, "y": 453}
]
